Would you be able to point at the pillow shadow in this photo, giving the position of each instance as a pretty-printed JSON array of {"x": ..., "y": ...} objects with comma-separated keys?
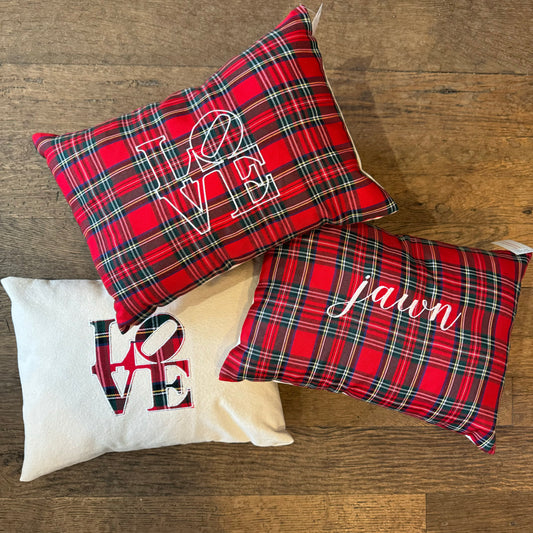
[{"x": 361, "y": 113}]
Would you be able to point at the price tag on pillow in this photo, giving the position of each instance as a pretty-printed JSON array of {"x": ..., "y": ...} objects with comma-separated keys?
[
  {"x": 516, "y": 247},
  {"x": 316, "y": 20}
]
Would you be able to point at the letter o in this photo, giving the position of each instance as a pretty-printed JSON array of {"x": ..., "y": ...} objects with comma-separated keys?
[{"x": 169, "y": 348}]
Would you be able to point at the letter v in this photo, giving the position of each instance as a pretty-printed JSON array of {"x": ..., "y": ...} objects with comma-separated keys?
[{"x": 154, "y": 156}]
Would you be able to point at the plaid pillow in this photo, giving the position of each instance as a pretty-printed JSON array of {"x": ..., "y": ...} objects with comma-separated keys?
[
  {"x": 176, "y": 192},
  {"x": 414, "y": 325}
]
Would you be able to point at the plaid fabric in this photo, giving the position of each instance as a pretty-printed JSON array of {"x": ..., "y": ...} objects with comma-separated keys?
[
  {"x": 174, "y": 193},
  {"x": 156, "y": 363},
  {"x": 410, "y": 324}
]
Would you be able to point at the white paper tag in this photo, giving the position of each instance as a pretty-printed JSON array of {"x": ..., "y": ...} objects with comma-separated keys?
[
  {"x": 515, "y": 247},
  {"x": 316, "y": 19}
]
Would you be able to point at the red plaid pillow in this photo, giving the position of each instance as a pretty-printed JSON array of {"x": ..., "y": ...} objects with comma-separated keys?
[
  {"x": 176, "y": 192},
  {"x": 414, "y": 325}
]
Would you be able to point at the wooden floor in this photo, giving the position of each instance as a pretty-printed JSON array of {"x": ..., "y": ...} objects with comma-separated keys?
[{"x": 438, "y": 97}]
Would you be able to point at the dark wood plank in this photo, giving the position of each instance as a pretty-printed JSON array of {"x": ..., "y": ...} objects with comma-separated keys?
[
  {"x": 522, "y": 409},
  {"x": 362, "y": 513},
  {"x": 450, "y": 131},
  {"x": 72, "y": 97},
  {"x": 308, "y": 408},
  {"x": 429, "y": 36},
  {"x": 321, "y": 461},
  {"x": 411, "y": 35},
  {"x": 480, "y": 511},
  {"x": 44, "y": 248},
  {"x": 524, "y": 313},
  {"x": 133, "y": 32},
  {"x": 520, "y": 362}
]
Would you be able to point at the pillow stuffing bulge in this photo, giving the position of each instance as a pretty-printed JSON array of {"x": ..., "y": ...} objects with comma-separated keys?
[
  {"x": 176, "y": 192},
  {"x": 88, "y": 389},
  {"x": 407, "y": 323}
]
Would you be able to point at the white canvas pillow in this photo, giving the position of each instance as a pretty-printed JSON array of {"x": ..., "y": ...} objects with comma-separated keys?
[{"x": 161, "y": 377}]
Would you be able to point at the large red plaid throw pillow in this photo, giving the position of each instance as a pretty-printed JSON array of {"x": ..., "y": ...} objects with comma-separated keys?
[
  {"x": 176, "y": 192},
  {"x": 414, "y": 325}
]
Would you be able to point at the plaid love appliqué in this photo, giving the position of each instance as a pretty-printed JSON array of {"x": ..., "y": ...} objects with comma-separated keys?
[
  {"x": 414, "y": 325},
  {"x": 176, "y": 192}
]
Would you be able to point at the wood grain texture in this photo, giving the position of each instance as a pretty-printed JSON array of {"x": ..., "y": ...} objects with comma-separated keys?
[
  {"x": 404, "y": 513},
  {"x": 439, "y": 100},
  {"x": 332, "y": 460},
  {"x": 306, "y": 407},
  {"x": 463, "y": 36},
  {"x": 522, "y": 409},
  {"x": 508, "y": 511}
]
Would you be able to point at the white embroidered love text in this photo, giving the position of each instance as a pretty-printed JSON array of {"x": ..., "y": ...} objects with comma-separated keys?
[{"x": 216, "y": 149}]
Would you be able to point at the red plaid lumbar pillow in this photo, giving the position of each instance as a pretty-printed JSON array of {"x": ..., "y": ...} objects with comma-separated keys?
[
  {"x": 410, "y": 324},
  {"x": 176, "y": 192}
]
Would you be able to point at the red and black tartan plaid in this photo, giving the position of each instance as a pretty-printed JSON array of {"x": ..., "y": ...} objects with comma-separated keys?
[
  {"x": 407, "y": 323},
  {"x": 107, "y": 363},
  {"x": 174, "y": 193}
]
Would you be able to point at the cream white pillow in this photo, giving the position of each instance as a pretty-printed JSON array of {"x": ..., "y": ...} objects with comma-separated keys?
[{"x": 69, "y": 418}]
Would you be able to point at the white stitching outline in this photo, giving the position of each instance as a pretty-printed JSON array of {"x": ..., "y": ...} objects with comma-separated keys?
[{"x": 242, "y": 159}]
